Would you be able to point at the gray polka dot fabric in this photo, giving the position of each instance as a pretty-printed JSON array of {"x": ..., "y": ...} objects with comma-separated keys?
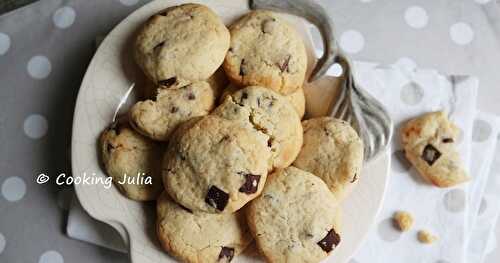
[{"x": 45, "y": 48}]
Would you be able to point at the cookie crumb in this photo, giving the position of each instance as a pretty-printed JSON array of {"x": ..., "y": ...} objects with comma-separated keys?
[
  {"x": 403, "y": 220},
  {"x": 426, "y": 237}
]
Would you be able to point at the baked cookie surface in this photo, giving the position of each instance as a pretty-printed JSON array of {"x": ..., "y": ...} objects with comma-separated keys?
[
  {"x": 270, "y": 113},
  {"x": 126, "y": 152},
  {"x": 297, "y": 98},
  {"x": 200, "y": 237},
  {"x": 266, "y": 51},
  {"x": 429, "y": 144},
  {"x": 295, "y": 219},
  {"x": 173, "y": 105},
  {"x": 187, "y": 42},
  {"x": 333, "y": 151},
  {"x": 216, "y": 165}
]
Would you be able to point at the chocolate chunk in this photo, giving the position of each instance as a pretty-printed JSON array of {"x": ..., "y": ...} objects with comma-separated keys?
[
  {"x": 230, "y": 49},
  {"x": 159, "y": 45},
  {"x": 216, "y": 198},
  {"x": 244, "y": 96},
  {"x": 168, "y": 82},
  {"x": 226, "y": 254},
  {"x": 448, "y": 140},
  {"x": 355, "y": 178},
  {"x": 251, "y": 183},
  {"x": 225, "y": 138},
  {"x": 242, "y": 68},
  {"x": 284, "y": 66},
  {"x": 191, "y": 96},
  {"x": 331, "y": 239},
  {"x": 430, "y": 154},
  {"x": 174, "y": 109},
  {"x": 109, "y": 147}
]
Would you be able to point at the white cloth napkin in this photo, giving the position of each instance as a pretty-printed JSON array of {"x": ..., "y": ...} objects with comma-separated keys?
[
  {"x": 484, "y": 195},
  {"x": 407, "y": 93}
]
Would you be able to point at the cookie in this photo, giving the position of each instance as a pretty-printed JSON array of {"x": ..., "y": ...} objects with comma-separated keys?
[
  {"x": 403, "y": 220},
  {"x": 173, "y": 105},
  {"x": 200, "y": 237},
  {"x": 216, "y": 165},
  {"x": 429, "y": 144},
  {"x": 333, "y": 151},
  {"x": 269, "y": 113},
  {"x": 187, "y": 42},
  {"x": 266, "y": 51},
  {"x": 126, "y": 155},
  {"x": 297, "y": 98},
  {"x": 296, "y": 218}
]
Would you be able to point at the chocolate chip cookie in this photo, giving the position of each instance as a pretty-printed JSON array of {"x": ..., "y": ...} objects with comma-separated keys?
[
  {"x": 187, "y": 42},
  {"x": 270, "y": 113},
  {"x": 127, "y": 154},
  {"x": 333, "y": 151},
  {"x": 173, "y": 105},
  {"x": 296, "y": 218},
  {"x": 200, "y": 237},
  {"x": 216, "y": 165},
  {"x": 429, "y": 144},
  {"x": 297, "y": 98},
  {"x": 266, "y": 51}
]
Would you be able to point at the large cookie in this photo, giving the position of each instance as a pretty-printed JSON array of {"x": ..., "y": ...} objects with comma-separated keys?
[
  {"x": 333, "y": 151},
  {"x": 173, "y": 105},
  {"x": 127, "y": 154},
  {"x": 297, "y": 98},
  {"x": 186, "y": 42},
  {"x": 270, "y": 113},
  {"x": 266, "y": 51},
  {"x": 200, "y": 237},
  {"x": 216, "y": 165},
  {"x": 296, "y": 218},
  {"x": 429, "y": 144}
]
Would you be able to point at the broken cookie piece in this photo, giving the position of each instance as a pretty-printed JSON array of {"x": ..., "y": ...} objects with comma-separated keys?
[
  {"x": 429, "y": 144},
  {"x": 403, "y": 220},
  {"x": 426, "y": 237}
]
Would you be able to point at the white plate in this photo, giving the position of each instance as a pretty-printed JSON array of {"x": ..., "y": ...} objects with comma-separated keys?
[{"x": 105, "y": 89}]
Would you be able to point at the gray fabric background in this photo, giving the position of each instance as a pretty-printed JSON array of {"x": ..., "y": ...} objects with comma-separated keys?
[{"x": 35, "y": 224}]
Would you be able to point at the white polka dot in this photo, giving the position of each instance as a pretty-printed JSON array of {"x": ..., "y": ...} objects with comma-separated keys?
[
  {"x": 335, "y": 70},
  {"x": 481, "y": 130},
  {"x": 461, "y": 33},
  {"x": 35, "y": 126},
  {"x": 64, "y": 17},
  {"x": 51, "y": 256},
  {"x": 387, "y": 231},
  {"x": 406, "y": 63},
  {"x": 2, "y": 243},
  {"x": 129, "y": 2},
  {"x": 352, "y": 41},
  {"x": 4, "y": 43},
  {"x": 39, "y": 67},
  {"x": 416, "y": 17},
  {"x": 13, "y": 188},
  {"x": 454, "y": 200},
  {"x": 482, "y": 1}
]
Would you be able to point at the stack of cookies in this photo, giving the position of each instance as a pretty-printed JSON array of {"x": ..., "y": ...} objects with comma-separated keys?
[{"x": 222, "y": 140}]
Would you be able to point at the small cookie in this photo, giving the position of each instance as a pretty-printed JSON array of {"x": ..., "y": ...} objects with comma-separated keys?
[
  {"x": 127, "y": 154},
  {"x": 269, "y": 113},
  {"x": 266, "y": 51},
  {"x": 403, "y": 220},
  {"x": 216, "y": 165},
  {"x": 429, "y": 144},
  {"x": 426, "y": 237},
  {"x": 333, "y": 151},
  {"x": 295, "y": 219},
  {"x": 200, "y": 237},
  {"x": 174, "y": 105},
  {"x": 297, "y": 98},
  {"x": 185, "y": 42}
]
